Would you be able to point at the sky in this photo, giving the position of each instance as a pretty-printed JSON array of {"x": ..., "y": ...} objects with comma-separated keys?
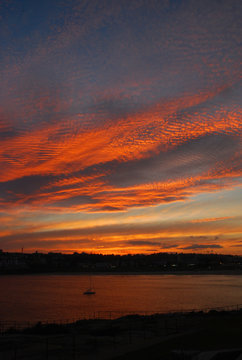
[{"x": 120, "y": 126}]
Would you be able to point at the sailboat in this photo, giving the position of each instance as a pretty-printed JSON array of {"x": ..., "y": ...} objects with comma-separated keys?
[{"x": 90, "y": 290}]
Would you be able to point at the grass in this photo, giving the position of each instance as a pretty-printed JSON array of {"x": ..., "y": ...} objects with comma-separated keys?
[
  {"x": 214, "y": 332},
  {"x": 93, "y": 338}
]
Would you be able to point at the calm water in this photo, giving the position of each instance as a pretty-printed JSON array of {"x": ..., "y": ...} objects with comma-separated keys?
[{"x": 55, "y": 297}]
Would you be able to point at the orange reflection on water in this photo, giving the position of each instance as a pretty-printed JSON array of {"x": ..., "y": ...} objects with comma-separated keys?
[{"x": 59, "y": 297}]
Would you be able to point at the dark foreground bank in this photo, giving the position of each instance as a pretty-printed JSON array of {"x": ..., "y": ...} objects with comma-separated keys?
[{"x": 158, "y": 336}]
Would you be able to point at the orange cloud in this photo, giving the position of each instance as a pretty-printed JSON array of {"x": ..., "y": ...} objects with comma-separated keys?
[{"x": 58, "y": 149}]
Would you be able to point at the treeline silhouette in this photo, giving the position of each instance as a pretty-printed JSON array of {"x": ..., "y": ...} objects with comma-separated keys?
[{"x": 84, "y": 262}]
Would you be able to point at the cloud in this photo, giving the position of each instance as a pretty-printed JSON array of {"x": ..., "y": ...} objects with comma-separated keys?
[
  {"x": 146, "y": 231},
  {"x": 202, "y": 247},
  {"x": 150, "y": 243},
  {"x": 116, "y": 107},
  {"x": 147, "y": 179},
  {"x": 143, "y": 243}
]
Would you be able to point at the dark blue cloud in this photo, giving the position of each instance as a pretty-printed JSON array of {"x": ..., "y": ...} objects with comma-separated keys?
[{"x": 202, "y": 247}]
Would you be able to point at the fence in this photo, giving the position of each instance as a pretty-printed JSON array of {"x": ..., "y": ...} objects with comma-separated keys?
[
  {"x": 93, "y": 339},
  {"x": 107, "y": 315}
]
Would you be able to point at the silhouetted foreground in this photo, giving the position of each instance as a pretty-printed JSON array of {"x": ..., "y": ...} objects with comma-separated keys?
[
  {"x": 11, "y": 263},
  {"x": 158, "y": 336}
]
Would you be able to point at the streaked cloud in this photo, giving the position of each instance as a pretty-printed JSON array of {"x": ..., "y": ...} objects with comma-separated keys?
[
  {"x": 163, "y": 236},
  {"x": 202, "y": 247}
]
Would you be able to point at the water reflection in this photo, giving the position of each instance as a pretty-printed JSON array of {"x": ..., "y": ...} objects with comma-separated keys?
[{"x": 54, "y": 297}]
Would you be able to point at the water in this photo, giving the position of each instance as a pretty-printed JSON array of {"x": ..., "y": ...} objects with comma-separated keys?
[{"x": 56, "y": 297}]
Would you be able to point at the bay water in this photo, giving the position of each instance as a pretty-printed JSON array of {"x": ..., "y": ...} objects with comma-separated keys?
[{"x": 54, "y": 297}]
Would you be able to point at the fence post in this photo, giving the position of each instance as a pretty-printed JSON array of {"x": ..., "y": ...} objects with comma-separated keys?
[
  {"x": 144, "y": 328},
  {"x": 15, "y": 352},
  {"x": 73, "y": 347},
  {"x": 166, "y": 327},
  {"x": 130, "y": 332},
  {"x": 176, "y": 325},
  {"x": 47, "y": 348}
]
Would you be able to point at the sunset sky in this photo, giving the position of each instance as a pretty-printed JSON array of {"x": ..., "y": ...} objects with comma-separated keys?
[{"x": 120, "y": 126}]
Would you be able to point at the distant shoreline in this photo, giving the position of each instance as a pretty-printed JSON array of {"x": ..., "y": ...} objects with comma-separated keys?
[{"x": 130, "y": 273}]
